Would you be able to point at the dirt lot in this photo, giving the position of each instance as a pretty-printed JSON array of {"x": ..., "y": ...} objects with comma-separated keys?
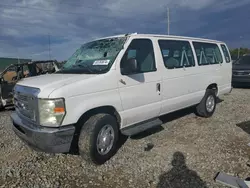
[{"x": 186, "y": 152}]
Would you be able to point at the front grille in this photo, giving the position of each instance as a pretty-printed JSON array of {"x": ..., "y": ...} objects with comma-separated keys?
[
  {"x": 23, "y": 97},
  {"x": 24, "y": 104},
  {"x": 241, "y": 73}
]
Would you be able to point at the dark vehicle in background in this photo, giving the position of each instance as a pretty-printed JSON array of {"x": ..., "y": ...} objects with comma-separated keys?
[
  {"x": 241, "y": 71},
  {"x": 15, "y": 72}
]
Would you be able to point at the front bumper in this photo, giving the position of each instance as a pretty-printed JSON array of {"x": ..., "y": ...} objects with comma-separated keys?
[
  {"x": 241, "y": 79},
  {"x": 50, "y": 140}
]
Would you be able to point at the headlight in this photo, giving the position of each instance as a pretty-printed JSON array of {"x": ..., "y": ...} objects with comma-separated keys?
[{"x": 51, "y": 112}]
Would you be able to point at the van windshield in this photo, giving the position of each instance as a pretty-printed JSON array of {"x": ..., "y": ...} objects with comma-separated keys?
[
  {"x": 244, "y": 60},
  {"x": 95, "y": 57}
]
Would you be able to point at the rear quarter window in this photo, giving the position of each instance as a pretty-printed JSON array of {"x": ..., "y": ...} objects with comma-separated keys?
[
  {"x": 226, "y": 53},
  {"x": 207, "y": 53}
]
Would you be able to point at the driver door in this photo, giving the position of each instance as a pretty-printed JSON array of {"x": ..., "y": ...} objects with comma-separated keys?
[
  {"x": 140, "y": 91},
  {"x": 8, "y": 82}
]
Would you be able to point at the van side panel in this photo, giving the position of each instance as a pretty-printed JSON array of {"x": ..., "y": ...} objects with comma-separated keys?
[
  {"x": 181, "y": 87},
  {"x": 186, "y": 86},
  {"x": 210, "y": 69}
]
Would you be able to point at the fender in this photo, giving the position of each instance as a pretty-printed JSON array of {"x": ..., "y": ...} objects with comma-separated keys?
[{"x": 77, "y": 106}]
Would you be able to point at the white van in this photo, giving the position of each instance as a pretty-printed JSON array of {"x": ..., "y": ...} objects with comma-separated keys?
[{"x": 119, "y": 85}]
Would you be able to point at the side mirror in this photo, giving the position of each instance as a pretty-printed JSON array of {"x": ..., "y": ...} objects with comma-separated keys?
[{"x": 131, "y": 66}]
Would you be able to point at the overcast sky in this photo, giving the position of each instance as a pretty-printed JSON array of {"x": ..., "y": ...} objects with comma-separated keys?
[{"x": 26, "y": 24}]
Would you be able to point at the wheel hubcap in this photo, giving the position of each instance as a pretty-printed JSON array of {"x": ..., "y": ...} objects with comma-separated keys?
[
  {"x": 105, "y": 139},
  {"x": 210, "y": 103}
]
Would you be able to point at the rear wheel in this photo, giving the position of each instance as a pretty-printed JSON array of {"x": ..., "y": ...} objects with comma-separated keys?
[
  {"x": 98, "y": 138},
  {"x": 207, "y": 105}
]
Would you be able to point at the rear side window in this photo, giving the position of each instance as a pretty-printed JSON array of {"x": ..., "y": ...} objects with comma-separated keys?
[
  {"x": 226, "y": 53},
  {"x": 141, "y": 50},
  {"x": 207, "y": 53},
  {"x": 11, "y": 74},
  {"x": 176, "y": 54},
  {"x": 25, "y": 70}
]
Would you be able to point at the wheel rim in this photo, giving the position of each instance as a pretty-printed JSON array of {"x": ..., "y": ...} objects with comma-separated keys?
[
  {"x": 210, "y": 103},
  {"x": 105, "y": 139}
]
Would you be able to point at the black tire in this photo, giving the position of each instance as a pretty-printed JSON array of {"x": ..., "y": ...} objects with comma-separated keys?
[
  {"x": 1, "y": 107},
  {"x": 87, "y": 143},
  {"x": 201, "y": 109}
]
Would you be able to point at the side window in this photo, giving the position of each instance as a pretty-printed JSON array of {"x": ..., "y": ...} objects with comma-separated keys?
[
  {"x": 39, "y": 67},
  {"x": 226, "y": 53},
  {"x": 10, "y": 75},
  {"x": 25, "y": 71},
  {"x": 207, "y": 53},
  {"x": 131, "y": 54},
  {"x": 48, "y": 67},
  {"x": 165, "y": 53},
  {"x": 176, "y": 54},
  {"x": 141, "y": 50}
]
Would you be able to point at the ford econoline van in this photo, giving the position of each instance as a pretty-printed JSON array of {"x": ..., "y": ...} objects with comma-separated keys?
[{"x": 119, "y": 85}]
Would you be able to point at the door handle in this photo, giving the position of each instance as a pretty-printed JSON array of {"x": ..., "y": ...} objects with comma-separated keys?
[{"x": 158, "y": 87}]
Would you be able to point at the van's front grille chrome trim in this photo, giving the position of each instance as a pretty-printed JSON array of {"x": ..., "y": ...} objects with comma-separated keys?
[
  {"x": 25, "y": 101},
  {"x": 24, "y": 105}
]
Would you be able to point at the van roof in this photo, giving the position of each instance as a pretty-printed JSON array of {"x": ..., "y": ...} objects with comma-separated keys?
[{"x": 163, "y": 36}]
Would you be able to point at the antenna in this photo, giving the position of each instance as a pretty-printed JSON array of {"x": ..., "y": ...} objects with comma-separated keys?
[
  {"x": 168, "y": 14},
  {"x": 18, "y": 58},
  {"x": 49, "y": 47}
]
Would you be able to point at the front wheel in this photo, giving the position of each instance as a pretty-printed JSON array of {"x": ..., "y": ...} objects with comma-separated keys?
[
  {"x": 207, "y": 105},
  {"x": 98, "y": 138}
]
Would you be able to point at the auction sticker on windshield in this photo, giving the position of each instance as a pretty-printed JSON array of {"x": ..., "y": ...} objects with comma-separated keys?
[{"x": 101, "y": 62}]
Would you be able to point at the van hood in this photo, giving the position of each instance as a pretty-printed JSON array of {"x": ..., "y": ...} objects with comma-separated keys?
[
  {"x": 50, "y": 82},
  {"x": 241, "y": 66}
]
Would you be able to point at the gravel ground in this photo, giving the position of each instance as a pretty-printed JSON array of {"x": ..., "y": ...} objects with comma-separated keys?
[{"x": 186, "y": 152}]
